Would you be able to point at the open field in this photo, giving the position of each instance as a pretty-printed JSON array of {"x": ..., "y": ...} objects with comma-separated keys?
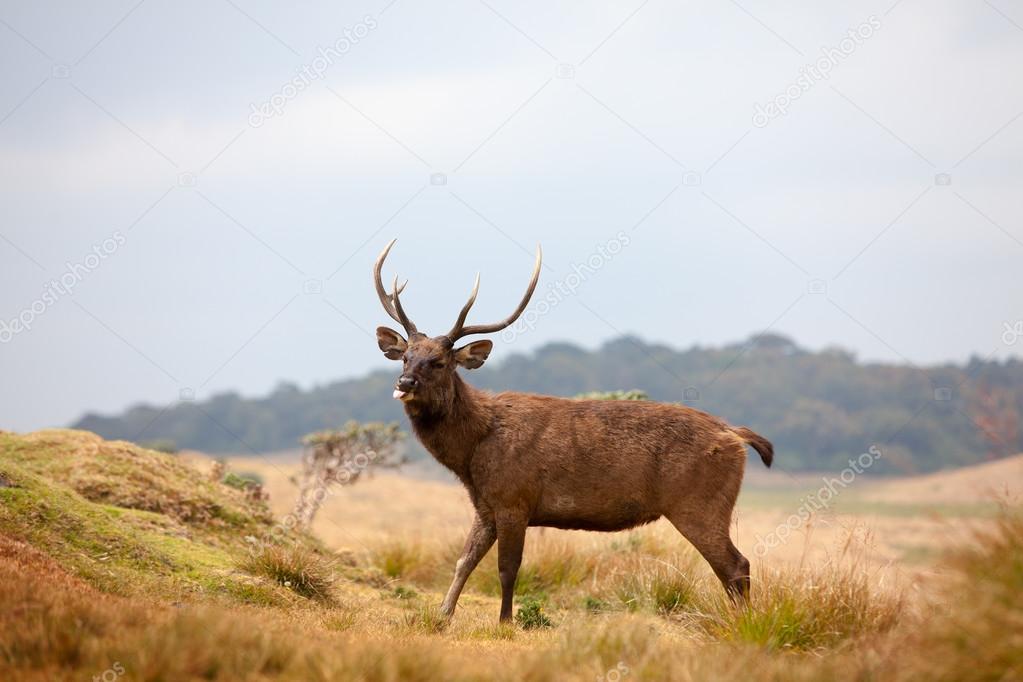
[
  {"x": 123, "y": 563},
  {"x": 896, "y": 526}
]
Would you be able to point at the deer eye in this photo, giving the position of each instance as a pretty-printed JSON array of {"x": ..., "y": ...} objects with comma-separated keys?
[{"x": 437, "y": 364}]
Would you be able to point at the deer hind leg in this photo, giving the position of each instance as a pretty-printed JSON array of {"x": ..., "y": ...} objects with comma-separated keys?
[
  {"x": 712, "y": 541},
  {"x": 511, "y": 536},
  {"x": 706, "y": 522},
  {"x": 477, "y": 544}
]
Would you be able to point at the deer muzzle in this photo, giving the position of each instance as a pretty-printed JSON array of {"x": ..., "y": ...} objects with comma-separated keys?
[{"x": 405, "y": 387}]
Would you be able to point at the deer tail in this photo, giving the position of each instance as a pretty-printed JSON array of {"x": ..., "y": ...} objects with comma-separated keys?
[{"x": 759, "y": 443}]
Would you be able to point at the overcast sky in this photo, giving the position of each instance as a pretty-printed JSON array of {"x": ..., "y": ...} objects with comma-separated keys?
[{"x": 213, "y": 180}]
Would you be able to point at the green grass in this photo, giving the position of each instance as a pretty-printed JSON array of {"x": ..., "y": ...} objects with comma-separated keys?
[{"x": 186, "y": 545}]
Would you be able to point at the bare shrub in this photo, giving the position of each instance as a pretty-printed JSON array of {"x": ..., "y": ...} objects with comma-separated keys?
[{"x": 341, "y": 457}]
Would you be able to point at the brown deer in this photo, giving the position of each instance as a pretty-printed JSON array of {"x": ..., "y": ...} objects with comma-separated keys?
[{"x": 535, "y": 460}]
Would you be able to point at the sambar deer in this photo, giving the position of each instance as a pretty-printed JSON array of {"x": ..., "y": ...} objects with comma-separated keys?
[{"x": 535, "y": 460}]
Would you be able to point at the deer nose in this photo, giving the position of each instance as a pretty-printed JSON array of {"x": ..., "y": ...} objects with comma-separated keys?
[{"x": 406, "y": 383}]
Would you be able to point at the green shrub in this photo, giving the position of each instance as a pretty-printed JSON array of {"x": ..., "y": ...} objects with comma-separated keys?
[
  {"x": 165, "y": 445},
  {"x": 241, "y": 480},
  {"x": 531, "y": 616}
]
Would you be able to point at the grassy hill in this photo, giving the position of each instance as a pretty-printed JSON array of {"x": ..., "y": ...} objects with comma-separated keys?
[
  {"x": 129, "y": 521},
  {"x": 820, "y": 409},
  {"x": 120, "y": 562}
]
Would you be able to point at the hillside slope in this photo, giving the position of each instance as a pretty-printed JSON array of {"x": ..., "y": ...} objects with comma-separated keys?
[
  {"x": 128, "y": 520},
  {"x": 1001, "y": 479}
]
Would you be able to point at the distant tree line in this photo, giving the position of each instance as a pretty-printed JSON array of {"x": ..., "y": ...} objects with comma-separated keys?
[{"x": 819, "y": 408}]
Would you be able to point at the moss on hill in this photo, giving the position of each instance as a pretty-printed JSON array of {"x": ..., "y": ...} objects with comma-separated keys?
[{"x": 130, "y": 520}]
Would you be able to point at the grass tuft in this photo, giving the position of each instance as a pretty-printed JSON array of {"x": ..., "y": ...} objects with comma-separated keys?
[
  {"x": 402, "y": 592},
  {"x": 299, "y": 569},
  {"x": 809, "y": 610},
  {"x": 341, "y": 621},
  {"x": 672, "y": 591},
  {"x": 640, "y": 582},
  {"x": 426, "y": 619},
  {"x": 399, "y": 559}
]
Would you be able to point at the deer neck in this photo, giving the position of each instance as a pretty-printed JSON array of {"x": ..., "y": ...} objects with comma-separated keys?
[{"x": 451, "y": 430}]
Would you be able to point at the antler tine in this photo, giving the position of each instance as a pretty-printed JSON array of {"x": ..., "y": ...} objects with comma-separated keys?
[
  {"x": 410, "y": 328},
  {"x": 498, "y": 326},
  {"x": 456, "y": 331},
  {"x": 386, "y": 299}
]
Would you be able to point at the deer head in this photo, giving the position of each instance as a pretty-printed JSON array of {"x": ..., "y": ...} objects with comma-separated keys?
[{"x": 428, "y": 363}]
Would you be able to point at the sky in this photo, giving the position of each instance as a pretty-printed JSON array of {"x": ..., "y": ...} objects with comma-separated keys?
[{"x": 193, "y": 193}]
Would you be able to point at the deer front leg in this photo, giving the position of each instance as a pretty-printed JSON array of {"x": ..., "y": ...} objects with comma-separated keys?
[
  {"x": 477, "y": 544},
  {"x": 511, "y": 535}
]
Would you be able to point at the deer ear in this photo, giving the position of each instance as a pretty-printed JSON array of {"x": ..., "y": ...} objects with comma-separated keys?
[
  {"x": 391, "y": 343},
  {"x": 473, "y": 355}
]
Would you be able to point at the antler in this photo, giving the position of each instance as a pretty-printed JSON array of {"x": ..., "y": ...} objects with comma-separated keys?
[
  {"x": 459, "y": 330},
  {"x": 391, "y": 302},
  {"x": 402, "y": 317}
]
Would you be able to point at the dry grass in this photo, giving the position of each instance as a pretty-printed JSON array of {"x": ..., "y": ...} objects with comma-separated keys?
[
  {"x": 980, "y": 636},
  {"x": 57, "y": 627},
  {"x": 637, "y": 606},
  {"x": 810, "y": 611},
  {"x": 301, "y": 570},
  {"x": 425, "y": 619},
  {"x": 397, "y": 559}
]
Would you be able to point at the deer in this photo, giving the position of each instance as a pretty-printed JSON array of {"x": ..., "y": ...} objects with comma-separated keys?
[{"x": 530, "y": 460}]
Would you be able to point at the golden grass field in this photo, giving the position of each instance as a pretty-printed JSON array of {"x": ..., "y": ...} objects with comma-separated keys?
[{"x": 122, "y": 563}]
